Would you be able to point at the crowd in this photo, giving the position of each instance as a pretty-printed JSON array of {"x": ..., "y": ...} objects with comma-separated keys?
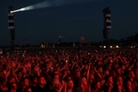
[{"x": 70, "y": 70}]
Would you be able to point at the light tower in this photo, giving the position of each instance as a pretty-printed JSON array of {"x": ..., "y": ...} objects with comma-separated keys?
[
  {"x": 107, "y": 24},
  {"x": 11, "y": 26}
]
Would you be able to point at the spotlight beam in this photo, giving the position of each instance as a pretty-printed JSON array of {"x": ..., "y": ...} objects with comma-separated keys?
[
  {"x": 50, "y": 3},
  {"x": 35, "y": 6}
]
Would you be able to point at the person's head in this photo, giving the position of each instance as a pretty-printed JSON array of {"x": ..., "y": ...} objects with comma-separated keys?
[
  {"x": 119, "y": 71},
  {"x": 55, "y": 85},
  {"x": 14, "y": 85},
  {"x": 97, "y": 84},
  {"x": 28, "y": 89},
  {"x": 110, "y": 80},
  {"x": 99, "y": 63},
  {"x": 106, "y": 72},
  {"x": 70, "y": 84},
  {"x": 77, "y": 73},
  {"x": 26, "y": 82},
  {"x": 68, "y": 72},
  {"x": 19, "y": 74},
  {"x": 100, "y": 70},
  {"x": 41, "y": 80},
  {"x": 131, "y": 74},
  {"x": 56, "y": 72},
  {"x": 123, "y": 67},
  {"x": 56, "y": 77},
  {"x": 116, "y": 65},
  {"x": 84, "y": 73},
  {"x": 12, "y": 89},
  {"x": 12, "y": 80},
  {"x": 86, "y": 67},
  {"x": 119, "y": 81},
  {"x": 34, "y": 80},
  {"x": 24, "y": 70},
  {"x": 83, "y": 81},
  {"x": 91, "y": 77}
]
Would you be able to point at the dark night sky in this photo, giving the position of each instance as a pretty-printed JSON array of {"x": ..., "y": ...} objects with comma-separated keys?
[{"x": 71, "y": 21}]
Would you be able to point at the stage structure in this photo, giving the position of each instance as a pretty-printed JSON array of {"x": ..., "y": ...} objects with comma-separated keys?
[
  {"x": 107, "y": 25},
  {"x": 11, "y": 26}
]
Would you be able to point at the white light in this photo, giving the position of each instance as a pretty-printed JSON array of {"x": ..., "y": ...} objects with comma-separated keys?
[
  {"x": 100, "y": 46},
  {"x": 15, "y": 11},
  {"x": 22, "y": 9},
  {"x": 104, "y": 47},
  {"x": 111, "y": 46},
  {"x": 11, "y": 12},
  {"x": 108, "y": 15},
  {"x": 117, "y": 46},
  {"x": 35, "y": 6}
]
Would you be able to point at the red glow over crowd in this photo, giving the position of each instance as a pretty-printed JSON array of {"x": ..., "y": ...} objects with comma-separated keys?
[{"x": 70, "y": 70}]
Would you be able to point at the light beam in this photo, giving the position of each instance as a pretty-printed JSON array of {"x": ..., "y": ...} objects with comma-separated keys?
[
  {"x": 50, "y": 3},
  {"x": 35, "y": 6}
]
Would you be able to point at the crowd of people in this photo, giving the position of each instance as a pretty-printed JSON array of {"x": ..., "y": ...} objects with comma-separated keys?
[{"x": 70, "y": 70}]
